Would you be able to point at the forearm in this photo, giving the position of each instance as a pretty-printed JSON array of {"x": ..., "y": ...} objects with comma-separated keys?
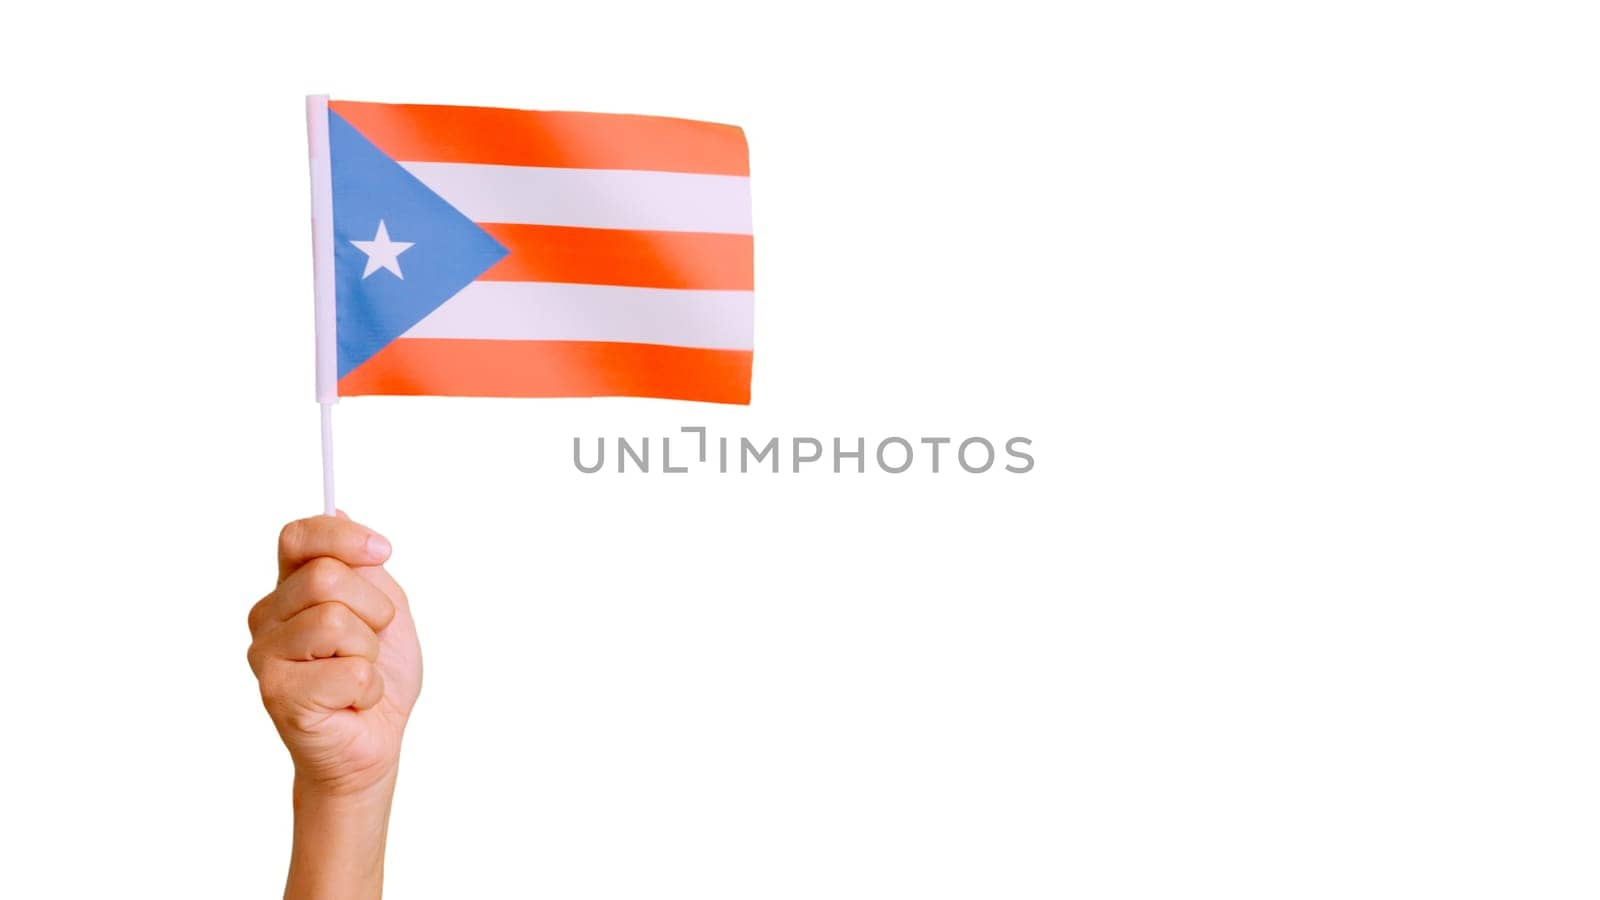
[{"x": 339, "y": 844}]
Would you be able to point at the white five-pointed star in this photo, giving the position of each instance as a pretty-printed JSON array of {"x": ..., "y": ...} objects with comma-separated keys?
[{"x": 382, "y": 253}]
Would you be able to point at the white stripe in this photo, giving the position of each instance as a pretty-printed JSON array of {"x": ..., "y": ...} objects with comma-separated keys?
[
  {"x": 591, "y": 198},
  {"x": 549, "y": 311}
]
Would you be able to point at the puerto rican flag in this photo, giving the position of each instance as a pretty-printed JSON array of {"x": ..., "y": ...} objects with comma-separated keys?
[{"x": 471, "y": 251}]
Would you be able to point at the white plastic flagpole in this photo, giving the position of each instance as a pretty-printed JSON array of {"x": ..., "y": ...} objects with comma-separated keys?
[
  {"x": 327, "y": 459},
  {"x": 323, "y": 292}
]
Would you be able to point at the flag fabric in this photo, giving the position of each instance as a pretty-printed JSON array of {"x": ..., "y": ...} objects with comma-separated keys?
[{"x": 515, "y": 253}]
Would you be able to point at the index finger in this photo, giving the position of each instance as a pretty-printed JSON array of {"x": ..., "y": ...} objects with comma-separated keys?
[{"x": 306, "y": 539}]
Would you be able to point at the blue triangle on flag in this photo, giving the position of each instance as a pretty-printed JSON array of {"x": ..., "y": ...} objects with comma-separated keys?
[{"x": 373, "y": 304}]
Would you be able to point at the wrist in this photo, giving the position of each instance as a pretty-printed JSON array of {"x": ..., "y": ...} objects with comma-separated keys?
[
  {"x": 348, "y": 796},
  {"x": 339, "y": 840}
]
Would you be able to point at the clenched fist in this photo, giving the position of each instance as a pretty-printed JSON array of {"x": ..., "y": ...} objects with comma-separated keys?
[{"x": 336, "y": 655}]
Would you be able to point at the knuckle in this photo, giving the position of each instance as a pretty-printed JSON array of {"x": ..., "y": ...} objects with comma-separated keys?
[
  {"x": 334, "y": 617},
  {"x": 323, "y": 576},
  {"x": 258, "y": 614},
  {"x": 292, "y": 535},
  {"x": 274, "y": 682},
  {"x": 386, "y": 611}
]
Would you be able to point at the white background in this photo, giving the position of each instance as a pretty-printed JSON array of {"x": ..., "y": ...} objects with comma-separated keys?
[{"x": 1296, "y": 301}]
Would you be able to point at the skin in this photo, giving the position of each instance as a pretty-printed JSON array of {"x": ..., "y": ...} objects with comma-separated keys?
[{"x": 335, "y": 653}]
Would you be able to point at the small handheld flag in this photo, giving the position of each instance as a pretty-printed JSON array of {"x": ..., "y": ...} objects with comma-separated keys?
[{"x": 470, "y": 251}]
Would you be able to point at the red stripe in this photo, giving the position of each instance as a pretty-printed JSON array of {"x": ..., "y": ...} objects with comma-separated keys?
[
  {"x": 655, "y": 259},
  {"x": 568, "y": 140},
  {"x": 481, "y": 368}
]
